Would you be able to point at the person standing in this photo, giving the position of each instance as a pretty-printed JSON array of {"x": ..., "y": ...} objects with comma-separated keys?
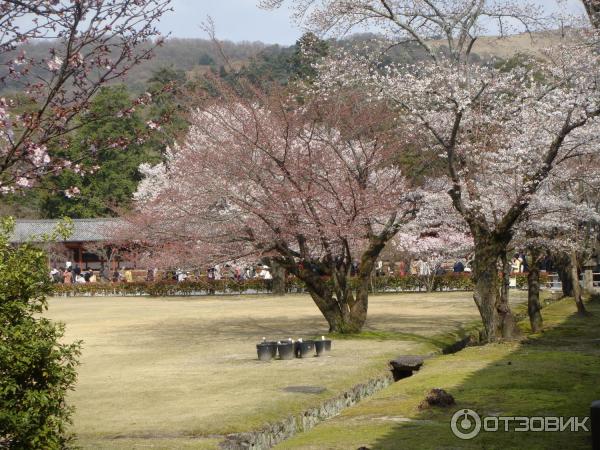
[
  {"x": 67, "y": 276},
  {"x": 459, "y": 267},
  {"x": 55, "y": 275},
  {"x": 402, "y": 268},
  {"x": 104, "y": 274},
  {"x": 87, "y": 275},
  {"x": 128, "y": 276}
]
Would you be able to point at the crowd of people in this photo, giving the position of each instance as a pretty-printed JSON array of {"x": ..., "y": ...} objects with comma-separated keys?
[{"x": 72, "y": 273}]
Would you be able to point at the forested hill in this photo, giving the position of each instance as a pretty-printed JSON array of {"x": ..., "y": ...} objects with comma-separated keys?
[
  {"x": 188, "y": 55},
  {"x": 196, "y": 56}
]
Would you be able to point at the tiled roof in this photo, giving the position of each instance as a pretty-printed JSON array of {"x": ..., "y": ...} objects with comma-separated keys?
[{"x": 84, "y": 230}]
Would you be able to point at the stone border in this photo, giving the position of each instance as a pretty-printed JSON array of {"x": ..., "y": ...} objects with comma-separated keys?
[{"x": 277, "y": 432}]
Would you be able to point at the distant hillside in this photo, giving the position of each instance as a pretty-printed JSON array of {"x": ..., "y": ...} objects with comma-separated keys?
[
  {"x": 196, "y": 56},
  {"x": 520, "y": 43},
  {"x": 179, "y": 54}
]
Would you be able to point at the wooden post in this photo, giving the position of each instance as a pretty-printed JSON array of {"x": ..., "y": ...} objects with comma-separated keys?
[
  {"x": 595, "y": 421},
  {"x": 80, "y": 256}
]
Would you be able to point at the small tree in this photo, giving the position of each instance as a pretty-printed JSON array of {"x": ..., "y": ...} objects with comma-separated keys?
[{"x": 36, "y": 369}]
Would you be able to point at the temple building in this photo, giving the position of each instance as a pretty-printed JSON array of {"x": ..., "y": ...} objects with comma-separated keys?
[{"x": 88, "y": 246}]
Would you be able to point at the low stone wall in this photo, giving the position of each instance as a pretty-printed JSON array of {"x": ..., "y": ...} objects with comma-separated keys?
[{"x": 284, "y": 429}]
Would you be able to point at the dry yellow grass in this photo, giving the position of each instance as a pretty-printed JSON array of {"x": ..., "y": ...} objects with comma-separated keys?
[
  {"x": 173, "y": 373},
  {"x": 508, "y": 46}
]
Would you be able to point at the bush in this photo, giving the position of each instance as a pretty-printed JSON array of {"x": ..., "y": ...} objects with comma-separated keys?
[
  {"x": 406, "y": 283},
  {"x": 454, "y": 282},
  {"x": 36, "y": 369},
  {"x": 204, "y": 286},
  {"x": 163, "y": 288},
  {"x": 522, "y": 279},
  {"x": 595, "y": 297}
]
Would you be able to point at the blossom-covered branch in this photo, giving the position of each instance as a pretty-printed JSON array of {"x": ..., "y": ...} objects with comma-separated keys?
[{"x": 90, "y": 43}]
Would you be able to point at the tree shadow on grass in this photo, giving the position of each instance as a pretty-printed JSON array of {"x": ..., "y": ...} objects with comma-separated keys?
[
  {"x": 419, "y": 329},
  {"x": 556, "y": 373}
]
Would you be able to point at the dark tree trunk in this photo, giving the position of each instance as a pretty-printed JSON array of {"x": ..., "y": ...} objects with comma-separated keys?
[
  {"x": 344, "y": 311},
  {"x": 534, "y": 307},
  {"x": 592, "y": 7},
  {"x": 344, "y": 308},
  {"x": 495, "y": 314},
  {"x": 485, "y": 275},
  {"x": 576, "y": 287},
  {"x": 563, "y": 268},
  {"x": 279, "y": 273},
  {"x": 508, "y": 323}
]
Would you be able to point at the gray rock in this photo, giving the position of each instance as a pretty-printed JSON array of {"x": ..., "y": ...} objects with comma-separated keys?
[
  {"x": 407, "y": 362},
  {"x": 404, "y": 366}
]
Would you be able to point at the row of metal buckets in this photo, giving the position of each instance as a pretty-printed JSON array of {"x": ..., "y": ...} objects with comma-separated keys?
[{"x": 290, "y": 349}]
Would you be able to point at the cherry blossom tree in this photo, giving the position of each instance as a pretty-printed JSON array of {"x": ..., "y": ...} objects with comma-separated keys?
[
  {"x": 308, "y": 181},
  {"x": 90, "y": 43},
  {"x": 436, "y": 235},
  {"x": 500, "y": 130}
]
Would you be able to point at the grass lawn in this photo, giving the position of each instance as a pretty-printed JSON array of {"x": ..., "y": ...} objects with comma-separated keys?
[
  {"x": 555, "y": 373},
  {"x": 181, "y": 372}
]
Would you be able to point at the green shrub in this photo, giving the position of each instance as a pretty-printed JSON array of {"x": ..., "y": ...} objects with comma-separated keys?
[
  {"x": 522, "y": 279},
  {"x": 204, "y": 286},
  {"x": 36, "y": 369},
  {"x": 165, "y": 288}
]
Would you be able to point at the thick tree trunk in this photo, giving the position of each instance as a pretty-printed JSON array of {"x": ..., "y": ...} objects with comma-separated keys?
[
  {"x": 350, "y": 314},
  {"x": 576, "y": 287},
  {"x": 344, "y": 312},
  {"x": 278, "y": 272},
  {"x": 496, "y": 315},
  {"x": 534, "y": 307},
  {"x": 344, "y": 309},
  {"x": 508, "y": 323},
  {"x": 563, "y": 268},
  {"x": 485, "y": 275}
]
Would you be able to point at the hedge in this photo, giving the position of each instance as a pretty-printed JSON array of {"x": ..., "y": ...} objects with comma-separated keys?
[{"x": 204, "y": 286}]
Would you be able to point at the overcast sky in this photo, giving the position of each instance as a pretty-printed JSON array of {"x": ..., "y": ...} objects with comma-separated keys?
[{"x": 242, "y": 20}]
